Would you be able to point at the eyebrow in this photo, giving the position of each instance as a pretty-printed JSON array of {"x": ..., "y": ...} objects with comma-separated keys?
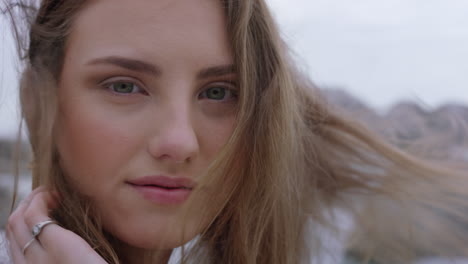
[
  {"x": 217, "y": 71},
  {"x": 129, "y": 64},
  {"x": 145, "y": 67}
]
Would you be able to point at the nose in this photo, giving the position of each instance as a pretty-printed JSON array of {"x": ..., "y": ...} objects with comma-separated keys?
[{"x": 175, "y": 140}]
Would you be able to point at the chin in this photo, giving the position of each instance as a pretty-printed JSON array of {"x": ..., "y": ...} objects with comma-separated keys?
[{"x": 169, "y": 239}]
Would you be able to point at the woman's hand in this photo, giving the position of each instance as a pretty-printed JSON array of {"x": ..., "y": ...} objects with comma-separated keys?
[{"x": 54, "y": 244}]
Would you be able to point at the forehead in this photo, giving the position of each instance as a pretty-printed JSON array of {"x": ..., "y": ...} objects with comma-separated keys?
[
  {"x": 159, "y": 11},
  {"x": 150, "y": 26}
]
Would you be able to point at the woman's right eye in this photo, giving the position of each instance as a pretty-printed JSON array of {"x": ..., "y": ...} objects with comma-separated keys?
[{"x": 125, "y": 87}]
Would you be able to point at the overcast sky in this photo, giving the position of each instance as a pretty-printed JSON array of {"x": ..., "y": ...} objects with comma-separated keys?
[{"x": 381, "y": 51}]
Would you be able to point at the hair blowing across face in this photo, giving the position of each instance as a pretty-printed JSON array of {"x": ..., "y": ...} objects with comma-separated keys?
[{"x": 296, "y": 159}]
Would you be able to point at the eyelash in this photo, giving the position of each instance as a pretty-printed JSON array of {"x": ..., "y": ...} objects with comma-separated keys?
[
  {"x": 108, "y": 85},
  {"x": 202, "y": 95},
  {"x": 228, "y": 88}
]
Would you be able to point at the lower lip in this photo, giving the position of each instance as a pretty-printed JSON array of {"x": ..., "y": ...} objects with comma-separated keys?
[{"x": 161, "y": 195}]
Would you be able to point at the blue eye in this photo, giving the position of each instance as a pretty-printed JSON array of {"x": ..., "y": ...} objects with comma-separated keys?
[
  {"x": 218, "y": 93},
  {"x": 125, "y": 88}
]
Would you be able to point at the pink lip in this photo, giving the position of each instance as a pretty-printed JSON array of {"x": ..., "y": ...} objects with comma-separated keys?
[{"x": 162, "y": 189}]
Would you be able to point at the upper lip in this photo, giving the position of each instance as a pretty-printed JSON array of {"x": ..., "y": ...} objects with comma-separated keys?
[{"x": 163, "y": 181}]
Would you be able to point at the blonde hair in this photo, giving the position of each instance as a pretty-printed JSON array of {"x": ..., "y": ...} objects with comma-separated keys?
[{"x": 290, "y": 162}]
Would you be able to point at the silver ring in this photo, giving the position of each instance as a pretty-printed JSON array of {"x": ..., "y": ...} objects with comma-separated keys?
[
  {"x": 36, "y": 230},
  {"x": 28, "y": 244}
]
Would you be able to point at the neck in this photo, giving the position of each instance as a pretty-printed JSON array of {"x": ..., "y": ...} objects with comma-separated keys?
[{"x": 132, "y": 255}]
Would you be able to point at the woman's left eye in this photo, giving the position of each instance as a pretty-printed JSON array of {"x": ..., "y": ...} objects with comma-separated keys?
[{"x": 218, "y": 93}]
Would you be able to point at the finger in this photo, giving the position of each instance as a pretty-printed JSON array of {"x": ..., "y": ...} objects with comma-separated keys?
[
  {"x": 57, "y": 242},
  {"x": 39, "y": 208},
  {"x": 37, "y": 212},
  {"x": 25, "y": 202},
  {"x": 16, "y": 223},
  {"x": 34, "y": 253},
  {"x": 33, "y": 193},
  {"x": 53, "y": 236},
  {"x": 23, "y": 246},
  {"x": 19, "y": 232},
  {"x": 14, "y": 250}
]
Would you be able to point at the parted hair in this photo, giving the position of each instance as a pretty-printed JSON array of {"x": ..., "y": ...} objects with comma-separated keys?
[{"x": 292, "y": 164}]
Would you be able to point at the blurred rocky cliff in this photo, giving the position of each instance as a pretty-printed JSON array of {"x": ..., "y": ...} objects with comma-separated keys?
[{"x": 440, "y": 132}]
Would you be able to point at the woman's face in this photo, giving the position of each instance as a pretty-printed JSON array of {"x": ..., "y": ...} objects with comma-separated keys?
[{"x": 147, "y": 99}]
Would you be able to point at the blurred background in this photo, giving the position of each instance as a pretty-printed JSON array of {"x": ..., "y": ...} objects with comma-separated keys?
[{"x": 399, "y": 65}]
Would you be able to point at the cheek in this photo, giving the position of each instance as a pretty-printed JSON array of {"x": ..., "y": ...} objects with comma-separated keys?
[
  {"x": 90, "y": 145},
  {"x": 215, "y": 134}
]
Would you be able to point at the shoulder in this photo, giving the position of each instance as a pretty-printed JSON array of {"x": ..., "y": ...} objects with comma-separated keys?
[
  {"x": 177, "y": 252},
  {"x": 4, "y": 256}
]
